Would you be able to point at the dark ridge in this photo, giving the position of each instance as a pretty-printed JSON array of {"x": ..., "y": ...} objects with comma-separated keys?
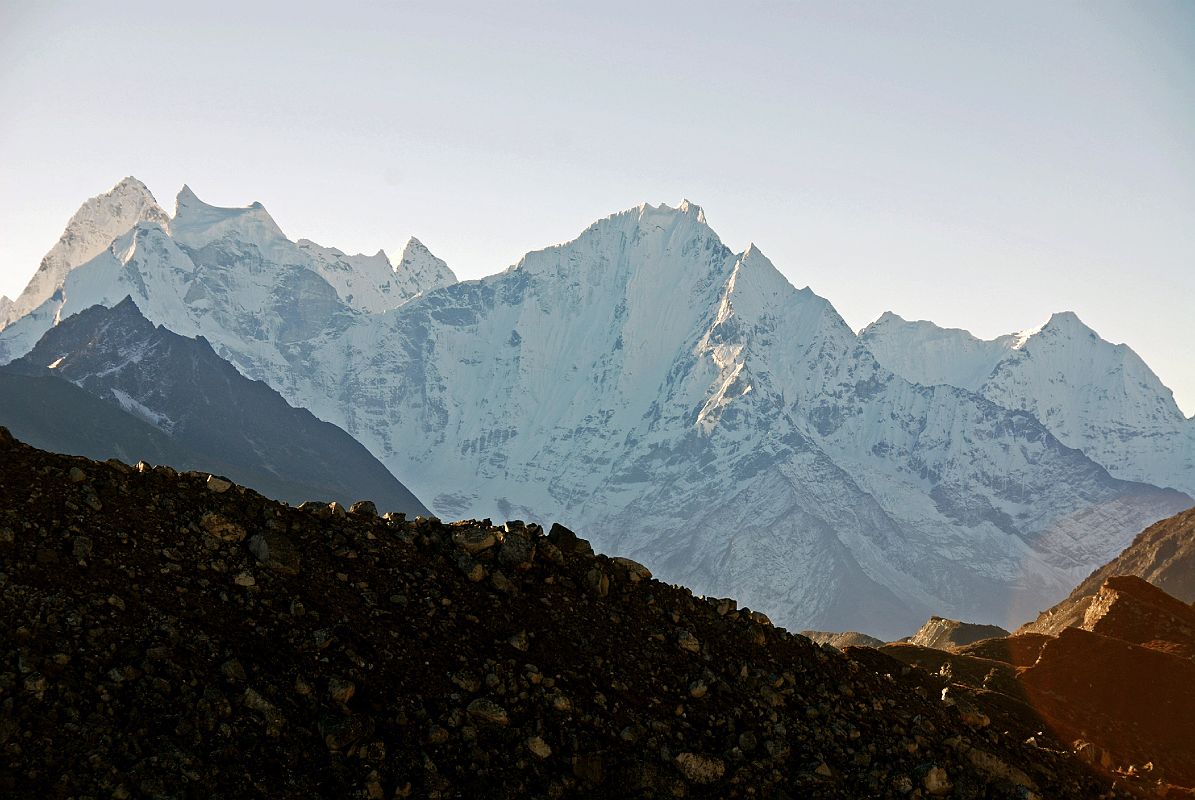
[{"x": 215, "y": 418}]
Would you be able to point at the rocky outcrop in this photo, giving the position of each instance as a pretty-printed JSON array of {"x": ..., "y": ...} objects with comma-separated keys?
[
  {"x": 1137, "y": 703},
  {"x": 1020, "y": 650},
  {"x": 172, "y": 635},
  {"x": 1120, "y": 689},
  {"x": 947, "y": 634},
  {"x": 1129, "y": 609},
  {"x": 1163, "y": 555}
]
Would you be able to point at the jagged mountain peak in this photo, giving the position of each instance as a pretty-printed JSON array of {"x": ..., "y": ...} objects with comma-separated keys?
[
  {"x": 197, "y": 224},
  {"x": 692, "y": 209},
  {"x": 419, "y": 270},
  {"x": 414, "y": 247},
  {"x": 131, "y": 185},
  {"x": 1065, "y": 323},
  {"x": 88, "y": 233},
  {"x": 647, "y": 213}
]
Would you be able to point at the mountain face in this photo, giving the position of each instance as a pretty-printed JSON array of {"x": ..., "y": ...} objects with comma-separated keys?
[
  {"x": 209, "y": 415},
  {"x": 1093, "y": 395},
  {"x": 682, "y": 402}
]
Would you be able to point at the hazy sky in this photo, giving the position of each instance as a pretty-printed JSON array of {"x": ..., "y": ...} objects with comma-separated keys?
[{"x": 980, "y": 168}]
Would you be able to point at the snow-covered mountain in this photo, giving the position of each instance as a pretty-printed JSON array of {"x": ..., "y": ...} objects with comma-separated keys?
[
  {"x": 1093, "y": 395},
  {"x": 93, "y": 227},
  {"x": 234, "y": 264},
  {"x": 675, "y": 401}
]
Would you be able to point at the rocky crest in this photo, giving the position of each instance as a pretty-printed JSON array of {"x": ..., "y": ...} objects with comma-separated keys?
[
  {"x": 843, "y": 639},
  {"x": 948, "y": 634},
  {"x": 178, "y": 635}
]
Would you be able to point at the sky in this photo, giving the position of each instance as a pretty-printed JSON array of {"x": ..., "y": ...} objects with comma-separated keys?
[{"x": 978, "y": 166}]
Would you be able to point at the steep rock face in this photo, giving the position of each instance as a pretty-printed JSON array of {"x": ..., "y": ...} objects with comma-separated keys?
[
  {"x": 1093, "y": 395},
  {"x": 214, "y": 417},
  {"x": 1163, "y": 555},
  {"x": 684, "y": 403},
  {"x": 89, "y": 232}
]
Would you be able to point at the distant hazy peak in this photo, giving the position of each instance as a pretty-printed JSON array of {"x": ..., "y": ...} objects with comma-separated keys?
[{"x": 89, "y": 232}]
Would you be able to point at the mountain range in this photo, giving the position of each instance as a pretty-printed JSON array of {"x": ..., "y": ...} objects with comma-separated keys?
[
  {"x": 1093, "y": 395},
  {"x": 681, "y": 402}
]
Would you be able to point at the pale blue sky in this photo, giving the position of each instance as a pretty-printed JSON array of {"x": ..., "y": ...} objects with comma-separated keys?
[{"x": 980, "y": 167}]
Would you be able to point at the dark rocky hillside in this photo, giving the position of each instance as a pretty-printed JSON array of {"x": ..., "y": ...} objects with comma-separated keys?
[
  {"x": 171, "y": 635},
  {"x": 53, "y": 414}
]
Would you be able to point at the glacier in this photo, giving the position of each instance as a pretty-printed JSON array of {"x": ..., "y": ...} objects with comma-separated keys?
[{"x": 675, "y": 401}]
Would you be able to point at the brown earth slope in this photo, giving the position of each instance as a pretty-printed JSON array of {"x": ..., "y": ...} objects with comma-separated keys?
[{"x": 171, "y": 636}]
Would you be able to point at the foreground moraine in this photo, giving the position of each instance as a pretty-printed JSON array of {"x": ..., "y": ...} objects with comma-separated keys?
[{"x": 170, "y": 636}]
